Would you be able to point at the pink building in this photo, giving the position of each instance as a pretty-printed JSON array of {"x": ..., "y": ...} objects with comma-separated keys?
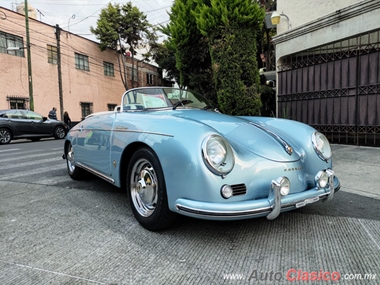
[{"x": 90, "y": 78}]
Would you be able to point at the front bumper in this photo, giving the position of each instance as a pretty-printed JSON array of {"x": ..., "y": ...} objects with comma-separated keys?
[{"x": 270, "y": 207}]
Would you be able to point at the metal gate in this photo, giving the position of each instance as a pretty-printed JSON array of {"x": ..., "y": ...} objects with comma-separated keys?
[{"x": 335, "y": 88}]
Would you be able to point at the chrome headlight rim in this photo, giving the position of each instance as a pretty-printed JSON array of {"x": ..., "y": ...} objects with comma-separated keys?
[
  {"x": 321, "y": 146},
  {"x": 218, "y": 155}
]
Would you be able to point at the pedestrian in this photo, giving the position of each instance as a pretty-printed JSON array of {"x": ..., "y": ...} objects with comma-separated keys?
[
  {"x": 53, "y": 113},
  {"x": 66, "y": 118}
]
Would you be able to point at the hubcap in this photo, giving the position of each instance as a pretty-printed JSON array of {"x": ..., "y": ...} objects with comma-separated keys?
[
  {"x": 60, "y": 132},
  {"x": 144, "y": 188},
  {"x": 5, "y": 136}
]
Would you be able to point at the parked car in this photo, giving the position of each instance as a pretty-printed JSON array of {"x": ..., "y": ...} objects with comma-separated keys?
[
  {"x": 175, "y": 155},
  {"x": 25, "y": 124}
]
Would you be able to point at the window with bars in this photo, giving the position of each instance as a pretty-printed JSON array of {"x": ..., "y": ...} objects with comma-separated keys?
[
  {"x": 11, "y": 44},
  {"x": 17, "y": 103},
  {"x": 52, "y": 54},
  {"x": 86, "y": 109},
  {"x": 108, "y": 69},
  {"x": 81, "y": 62}
]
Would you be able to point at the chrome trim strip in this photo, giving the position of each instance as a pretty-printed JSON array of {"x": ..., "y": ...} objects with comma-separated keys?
[
  {"x": 287, "y": 147},
  {"x": 125, "y": 130},
  {"x": 224, "y": 214},
  {"x": 143, "y": 132},
  {"x": 97, "y": 173}
]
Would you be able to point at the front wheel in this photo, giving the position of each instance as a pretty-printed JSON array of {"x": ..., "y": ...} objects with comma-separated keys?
[
  {"x": 5, "y": 136},
  {"x": 147, "y": 191},
  {"x": 75, "y": 172},
  {"x": 59, "y": 132}
]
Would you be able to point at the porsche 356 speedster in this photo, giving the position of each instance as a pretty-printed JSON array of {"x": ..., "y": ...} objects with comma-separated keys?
[{"x": 174, "y": 155}]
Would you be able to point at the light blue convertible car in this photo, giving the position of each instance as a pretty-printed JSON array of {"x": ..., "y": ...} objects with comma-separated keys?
[{"x": 175, "y": 155}]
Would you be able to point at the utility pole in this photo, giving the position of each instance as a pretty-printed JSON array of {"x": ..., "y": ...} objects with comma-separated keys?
[
  {"x": 30, "y": 80},
  {"x": 58, "y": 36}
]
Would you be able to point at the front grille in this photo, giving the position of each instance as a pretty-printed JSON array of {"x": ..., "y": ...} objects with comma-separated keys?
[{"x": 239, "y": 189}]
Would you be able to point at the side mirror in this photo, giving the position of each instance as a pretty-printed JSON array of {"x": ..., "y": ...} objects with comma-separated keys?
[{"x": 44, "y": 119}]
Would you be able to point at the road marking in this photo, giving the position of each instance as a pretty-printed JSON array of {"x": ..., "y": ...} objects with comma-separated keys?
[
  {"x": 58, "y": 148},
  {"x": 11, "y": 149},
  {"x": 20, "y": 155},
  {"x": 39, "y": 170},
  {"x": 34, "y": 163}
]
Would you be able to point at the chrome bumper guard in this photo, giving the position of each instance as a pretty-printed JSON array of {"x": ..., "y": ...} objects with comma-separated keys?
[{"x": 331, "y": 175}]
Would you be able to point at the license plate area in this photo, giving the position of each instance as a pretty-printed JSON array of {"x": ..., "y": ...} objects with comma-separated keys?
[{"x": 307, "y": 201}]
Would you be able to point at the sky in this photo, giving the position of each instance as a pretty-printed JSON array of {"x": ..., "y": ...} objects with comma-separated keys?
[{"x": 77, "y": 16}]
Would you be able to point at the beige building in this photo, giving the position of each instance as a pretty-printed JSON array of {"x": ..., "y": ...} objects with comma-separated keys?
[{"x": 90, "y": 78}]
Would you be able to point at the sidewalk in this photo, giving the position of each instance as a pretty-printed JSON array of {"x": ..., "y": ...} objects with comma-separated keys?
[{"x": 358, "y": 169}]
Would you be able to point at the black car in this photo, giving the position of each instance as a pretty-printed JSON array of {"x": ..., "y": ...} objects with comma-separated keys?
[{"x": 25, "y": 124}]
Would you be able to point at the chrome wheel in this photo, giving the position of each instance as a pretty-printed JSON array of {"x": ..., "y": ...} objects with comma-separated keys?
[
  {"x": 74, "y": 171},
  {"x": 144, "y": 187},
  {"x": 5, "y": 136},
  {"x": 147, "y": 191},
  {"x": 70, "y": 160}
]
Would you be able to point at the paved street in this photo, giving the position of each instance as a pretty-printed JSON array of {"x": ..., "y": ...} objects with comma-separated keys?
[{"x": 54, "y": 230}]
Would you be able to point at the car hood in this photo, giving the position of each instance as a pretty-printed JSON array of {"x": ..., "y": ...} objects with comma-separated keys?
[{"x": 254, "y": 137}]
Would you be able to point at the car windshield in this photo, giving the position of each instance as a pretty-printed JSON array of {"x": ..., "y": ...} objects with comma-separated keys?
[{"x": 162, "y": 97}]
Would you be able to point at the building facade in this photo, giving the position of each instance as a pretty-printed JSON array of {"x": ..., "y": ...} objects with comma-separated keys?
[
  {"x": 328, "y": 67},
  {"x": 68, "y": 72}
]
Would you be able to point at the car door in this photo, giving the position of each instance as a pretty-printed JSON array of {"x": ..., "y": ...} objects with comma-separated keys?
[
  {"x": 93, "y": 142},
  {"x": 39, "y": 125},
  {"x": 18, "y": 123}
]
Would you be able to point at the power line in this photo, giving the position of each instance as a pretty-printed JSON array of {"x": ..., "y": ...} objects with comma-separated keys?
[{"x": 153, "y": 9}]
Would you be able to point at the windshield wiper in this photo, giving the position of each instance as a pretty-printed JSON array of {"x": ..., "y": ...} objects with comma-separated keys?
[{"x": 181, "y": 102}]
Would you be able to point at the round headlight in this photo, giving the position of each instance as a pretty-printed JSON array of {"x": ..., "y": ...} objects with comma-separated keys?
[
  {"x": 321, "y": 179},
  {"x": 321, "y": 146},
  {"x": 217, "y": 154}
]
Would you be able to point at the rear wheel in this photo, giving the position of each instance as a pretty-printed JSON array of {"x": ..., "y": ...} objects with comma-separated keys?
[
  {"x": 59, "y": 132},
  {"x": 75, "y": 172},
  {"x": 5, "y": 136},
  {"x": 147, "y": 191}
]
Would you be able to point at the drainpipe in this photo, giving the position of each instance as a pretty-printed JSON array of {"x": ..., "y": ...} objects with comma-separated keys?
[{"x": 59, "y": 67}]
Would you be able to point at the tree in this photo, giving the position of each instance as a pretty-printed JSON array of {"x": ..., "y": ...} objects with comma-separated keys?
[
  {"x": 193, "y": 60},
  {"x": 123, "y": 28},
  {"x": 164, "y": 55},
  {"x": 231, "y": 27}
]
